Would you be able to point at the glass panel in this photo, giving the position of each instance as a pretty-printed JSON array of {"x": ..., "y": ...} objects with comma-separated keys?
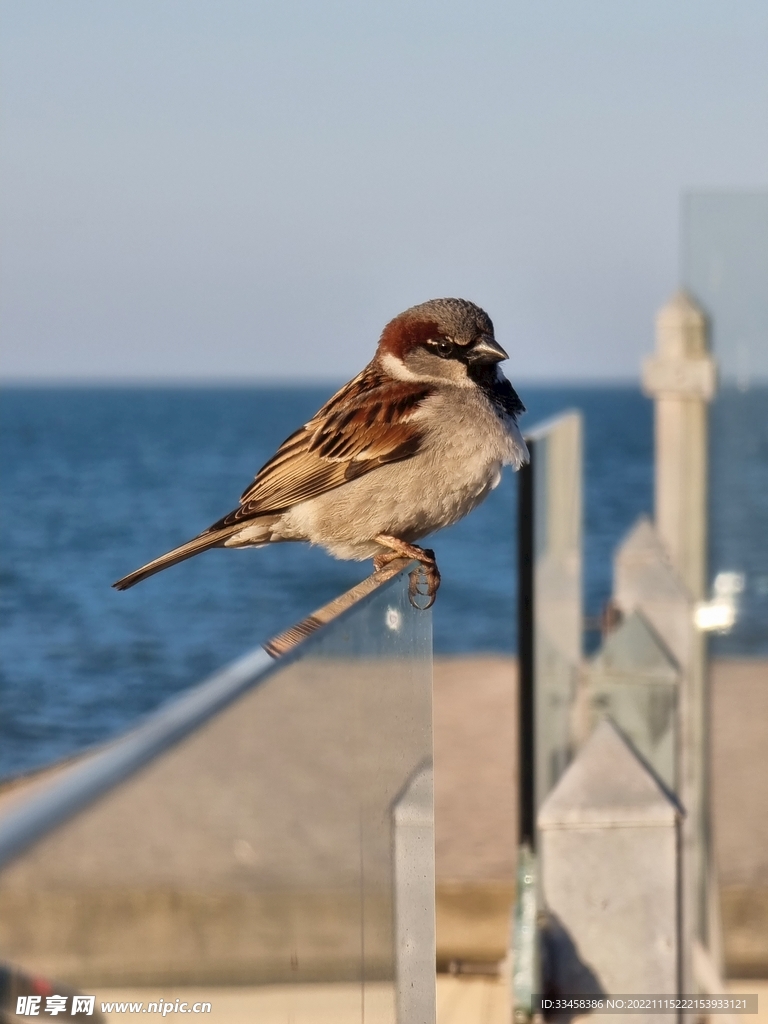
[
  {"x": 550, "y": 644},
  {"x": 557, "y": 589},
  {"x": 725, "y": 269},
  {"x": 285, "y": 846},
  {"x": 635, "y": 681}
]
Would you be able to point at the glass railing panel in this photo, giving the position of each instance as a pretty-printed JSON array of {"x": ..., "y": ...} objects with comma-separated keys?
[
  {"x": 285, "y": 845},
  {"x": 549, "y": 656},
  {"x": 556, "y": 462},
  {"x": 635, "y": 681},
  {"x": 725, "y": 269},
  {"x": 645, "y": 713}
]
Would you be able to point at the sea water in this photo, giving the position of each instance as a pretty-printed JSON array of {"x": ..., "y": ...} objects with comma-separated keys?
[{"x": 97, "y": 481}]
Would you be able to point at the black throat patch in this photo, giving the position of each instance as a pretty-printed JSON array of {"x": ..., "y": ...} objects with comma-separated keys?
[{"x": 500, "y": 392}]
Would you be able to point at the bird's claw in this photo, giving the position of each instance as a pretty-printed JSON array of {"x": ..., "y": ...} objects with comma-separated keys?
[{"x": 427, "y": 576}]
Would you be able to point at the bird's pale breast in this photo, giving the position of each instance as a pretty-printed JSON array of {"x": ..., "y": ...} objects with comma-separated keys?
[{"x": 465, "y": 447}]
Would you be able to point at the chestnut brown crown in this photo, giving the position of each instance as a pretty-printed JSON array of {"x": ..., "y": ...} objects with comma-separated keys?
[{"x": 449, "y": 328}]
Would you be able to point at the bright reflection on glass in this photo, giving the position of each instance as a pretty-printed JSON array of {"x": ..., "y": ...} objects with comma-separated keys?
[
  {"x": 286, "y": 845},
  {"x": 721, "y": 612}
]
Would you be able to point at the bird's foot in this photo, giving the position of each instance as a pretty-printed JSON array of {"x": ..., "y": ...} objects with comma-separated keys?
[{"x": 423, "y": 582}]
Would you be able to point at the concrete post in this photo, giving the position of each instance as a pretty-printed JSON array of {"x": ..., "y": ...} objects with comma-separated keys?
[
  {"x": 646, "y": 581},
  {"x": 681, "y": 379},
  {"x": 414, "y": 900},
  {"x": 609, "y": 859}
]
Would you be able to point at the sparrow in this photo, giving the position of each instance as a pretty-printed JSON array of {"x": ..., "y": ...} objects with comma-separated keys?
[{"x": 412, "y": 444}]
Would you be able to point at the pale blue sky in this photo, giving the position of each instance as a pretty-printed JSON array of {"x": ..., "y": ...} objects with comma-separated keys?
[{"x": 244, "y": 190}]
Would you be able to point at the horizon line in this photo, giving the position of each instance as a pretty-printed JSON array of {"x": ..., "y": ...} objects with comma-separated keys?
[{"x": 271, "y": 382}]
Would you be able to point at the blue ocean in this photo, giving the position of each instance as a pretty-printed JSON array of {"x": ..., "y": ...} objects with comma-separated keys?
[{"x": 96, "y": 481}]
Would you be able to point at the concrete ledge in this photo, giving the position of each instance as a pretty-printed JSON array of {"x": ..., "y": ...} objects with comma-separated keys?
[
  {"x": 163, "y": 936},
  {"x": 745, "y": 925},
  {"x": 472, "y": 922}
]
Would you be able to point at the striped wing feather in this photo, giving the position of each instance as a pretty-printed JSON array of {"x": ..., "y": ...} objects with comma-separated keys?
[{"x": 367, "y": 424}]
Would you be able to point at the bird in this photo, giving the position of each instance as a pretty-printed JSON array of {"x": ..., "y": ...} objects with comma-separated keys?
[{"x": 410, "y": 445}]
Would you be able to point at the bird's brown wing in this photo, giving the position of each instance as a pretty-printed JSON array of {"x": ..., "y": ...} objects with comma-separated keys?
[{"x": 367, "y": 424}]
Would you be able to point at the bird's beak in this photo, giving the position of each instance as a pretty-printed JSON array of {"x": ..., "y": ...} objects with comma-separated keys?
[{"x": 486, "y": 350}]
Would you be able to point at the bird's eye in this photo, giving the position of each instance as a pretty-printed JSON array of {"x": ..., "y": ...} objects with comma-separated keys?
[{"x": 444, "y": 347}]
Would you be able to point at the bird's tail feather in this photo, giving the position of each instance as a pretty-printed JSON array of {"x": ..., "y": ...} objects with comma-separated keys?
[{"x": 212, "y": 539}]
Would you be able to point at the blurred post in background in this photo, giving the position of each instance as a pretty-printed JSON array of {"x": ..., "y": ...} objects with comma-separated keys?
[{"x": 680, "y": 377}]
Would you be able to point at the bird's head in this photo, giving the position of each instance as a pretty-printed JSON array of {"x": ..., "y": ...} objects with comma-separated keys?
[{"x": 443, "y": 339}]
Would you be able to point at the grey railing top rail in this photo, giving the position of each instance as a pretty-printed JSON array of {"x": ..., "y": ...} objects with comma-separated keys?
[{"x": 73, "y": 787}]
